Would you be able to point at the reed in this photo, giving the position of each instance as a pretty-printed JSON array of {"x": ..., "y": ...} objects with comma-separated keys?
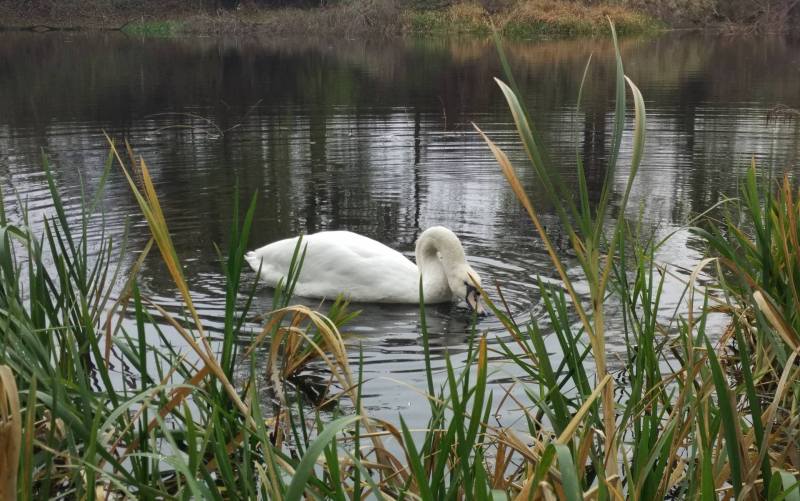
[
  {"x": 60, "y": 331},
  {"x": 677, "y": 427},
  {"x": 686, "y": 412},
  {"x": 10, "y": 433}
]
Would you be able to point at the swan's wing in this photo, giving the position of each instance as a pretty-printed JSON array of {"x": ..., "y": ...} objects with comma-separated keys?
[
  {"x": 341, "y": 263},
  {"x": 359, "y": 245},
  {"x": 273, "y": 260}
]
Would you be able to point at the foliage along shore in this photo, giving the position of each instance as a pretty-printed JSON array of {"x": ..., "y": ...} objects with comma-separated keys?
[
  {"x": 350, "y": 18},
  {"x": 689, "y": 414},
  {"x": 526, "y": 19}
]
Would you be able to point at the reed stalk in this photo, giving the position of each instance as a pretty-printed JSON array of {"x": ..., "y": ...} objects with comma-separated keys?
[
  {"x": 10, "y": 433},
  {"x": 685, "y": 412}
]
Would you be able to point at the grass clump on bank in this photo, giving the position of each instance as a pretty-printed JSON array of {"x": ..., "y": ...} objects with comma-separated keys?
[
  {"x": 537, "y": 17},
  {"x": 679, "y": 414},
  {"x": 530, "y": 19},
  {"x": 153, "y": 28},
  {"x": 457, "y": 18}
]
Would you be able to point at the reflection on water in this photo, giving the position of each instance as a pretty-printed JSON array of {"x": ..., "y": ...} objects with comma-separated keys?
[{"x": 376, "y": 137}]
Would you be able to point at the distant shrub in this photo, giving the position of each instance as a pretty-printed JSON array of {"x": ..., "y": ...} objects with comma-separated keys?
[
  {"x": 768, "y": 15},
  {"x": 694, "y": 11}
]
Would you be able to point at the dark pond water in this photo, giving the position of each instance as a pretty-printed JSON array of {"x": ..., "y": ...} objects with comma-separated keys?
[{"x": 376, "y": 137}]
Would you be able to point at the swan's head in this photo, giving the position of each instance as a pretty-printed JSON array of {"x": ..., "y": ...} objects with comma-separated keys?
[
  {"x": 441, "y": 259},
  {"x": 468, "y": 288}
]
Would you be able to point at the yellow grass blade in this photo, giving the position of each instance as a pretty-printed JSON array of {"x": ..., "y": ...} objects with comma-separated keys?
[
  {"x": 151, "y": 208},
  {"x": 776, "y": 320},
  {"x": 10, "y": 433},
  {"x": 289, "y": 341},
  {"x": 519, "y": 191},
  {"x": 566, "y": 435}
]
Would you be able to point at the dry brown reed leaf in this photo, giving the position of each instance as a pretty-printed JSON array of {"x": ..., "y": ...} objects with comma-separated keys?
[
  {"x": 592, "y": 493},
  {"x": 147, "y": 198},
  {"x": 570, "y": 429},
  {"x": 400, "y": 470},
  {"x": 546, "y": 492},
  {"x": 679, "y": 441},
  {"x": 211, "y": 366},
  {"x": 367, "y": 493},
  {"x": 787, "y": 229},
  {"x": 613, "y": 485},
  {"x": 10, "y": 433},
  {"x": 790, "y": 374},
  {"x": 519, "y": 192},
  {"x": 294, "y": 337},
  {"x": 530, "y": 454},
  {"x": 289, "y": 343},
  {"x": 584, "y": 448},
  {"x": 776, "y": 320},
  {"x": 678, "y": 473},
  {"x": 595, "y": 329},
  {"x": 526, "y": 492},
  {"x": 502, "y": 460},
  {"x": 690, "y": 285}
]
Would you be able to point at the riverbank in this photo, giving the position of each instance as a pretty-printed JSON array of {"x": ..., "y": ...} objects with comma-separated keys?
[{"x": 527, "y": 19}]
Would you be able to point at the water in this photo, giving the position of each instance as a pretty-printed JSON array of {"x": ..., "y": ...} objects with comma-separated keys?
[{"x": 376, "y": 137}]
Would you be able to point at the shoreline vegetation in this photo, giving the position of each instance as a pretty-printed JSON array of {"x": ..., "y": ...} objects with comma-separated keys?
[
  {"x": 352, "y": 18},
  {"x": 527, "y": 19},
  {"x": 689, "y": 413}
]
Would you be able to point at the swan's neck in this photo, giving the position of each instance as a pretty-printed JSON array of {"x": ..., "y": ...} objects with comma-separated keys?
[{"x": 439, "y": 257}]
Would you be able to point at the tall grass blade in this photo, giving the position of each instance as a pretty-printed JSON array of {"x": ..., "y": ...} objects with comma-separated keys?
[
  {"x": 730, "y": 421},
  {"x": 569, "y": 478},
  {"x": 305, "y": 468}
]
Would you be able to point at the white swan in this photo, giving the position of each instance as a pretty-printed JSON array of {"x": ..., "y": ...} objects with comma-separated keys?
[{"x": 341, "y": 262}]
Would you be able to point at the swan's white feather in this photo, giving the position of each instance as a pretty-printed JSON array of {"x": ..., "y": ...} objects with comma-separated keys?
[{"x": 342, "y": 262}]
